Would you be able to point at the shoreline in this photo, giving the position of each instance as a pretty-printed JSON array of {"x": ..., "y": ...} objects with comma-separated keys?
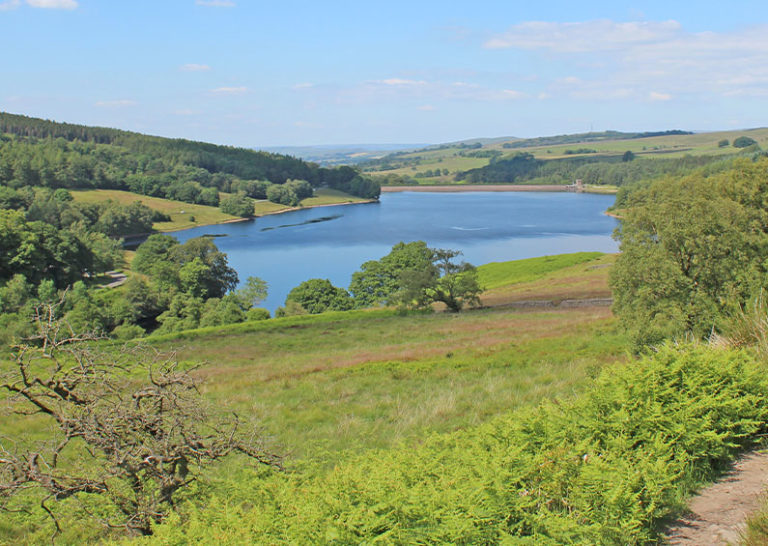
[
  {"x": 447, "y": 188},
  {"x": 256, "y": 216},
  {"x": 458, "y": 188}
]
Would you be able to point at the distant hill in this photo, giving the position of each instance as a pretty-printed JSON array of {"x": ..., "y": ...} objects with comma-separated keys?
[
  {"x": 604, "y": 157},
  {"x": 340, "y": 154},
  {"x": 38, "y": 152}
]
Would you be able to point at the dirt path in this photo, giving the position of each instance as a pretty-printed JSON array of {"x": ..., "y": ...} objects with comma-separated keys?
[{"x": 718, "y": 513}]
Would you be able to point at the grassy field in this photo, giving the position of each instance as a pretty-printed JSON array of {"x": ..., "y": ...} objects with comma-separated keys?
[
  {"x": 662, "y": 146},
  {"x": 348, "y": 381},
  {"x": 329, "y": 387},
  {"x": 326, "y": 384},
  {"x": 187, "y": 215},
  {"x": 586, "y": 279},
  {"x": 181, "y": 214},
  {"x": 328, "y": 196}
]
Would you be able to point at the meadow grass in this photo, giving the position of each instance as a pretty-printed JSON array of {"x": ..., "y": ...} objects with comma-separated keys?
[
  {"x": 498, "y": 274},
  {"x": 756, "y": 531},
  {"x": 352, "y": 381},
  {"x": 188, "y": 215},
  {"x": 330, "y": 387},
  {"x": 181, "y": 213},
  {"x": 583, "y": 280},
  {"x": 329, "y": 196}
]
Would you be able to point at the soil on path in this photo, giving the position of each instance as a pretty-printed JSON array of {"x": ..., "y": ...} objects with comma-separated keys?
[{"x": 718, "y": 513}]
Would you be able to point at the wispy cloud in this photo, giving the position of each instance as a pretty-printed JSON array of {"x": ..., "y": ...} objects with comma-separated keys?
[
  {"x": 119, "y": 103},
  {"x": 589, "y": 36},
  {"x": 192, "y": 67},
  {"x": 304, "y": 85},
  {"x": 53, "y": 4},
  {"x": 427, "y": 108},
  {"x": 638, "y": 58},
  {"x": 215, "y": 3},
  {"x": 229, "y": 90},
  {"x": 513, "y": 94},
  {"x": 44, "y": 4},
  {"x": 395, "y": 89},
  {"x": 655, "y": 95},
  {"x": 9, "y": 5},
  {"x": 402, "y": 82}
]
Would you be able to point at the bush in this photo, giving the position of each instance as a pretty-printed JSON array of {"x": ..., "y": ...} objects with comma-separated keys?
[
  {"x": 237, "y": 205},
  {"x": 743, "y": 142},
  {"x": 125, "y": 332},
  {"x": 257, "y": 313},
  {"x": 282, "y": 195}
]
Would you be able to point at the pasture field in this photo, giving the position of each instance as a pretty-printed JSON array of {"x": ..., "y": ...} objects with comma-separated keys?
[
  {"x": 181, "y": 213},
  {"x": 329, "y": 196},
  {"x": 188, "y": 215},
  {"x": 325, "y": 384},
  {"x": 667, "y": 146}
]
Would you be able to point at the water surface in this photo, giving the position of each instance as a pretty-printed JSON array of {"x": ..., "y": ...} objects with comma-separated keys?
[{"x": 332, "y": 242}]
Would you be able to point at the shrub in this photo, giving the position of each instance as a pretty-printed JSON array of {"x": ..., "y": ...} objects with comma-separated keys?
[{"x": 605, "y": 468}]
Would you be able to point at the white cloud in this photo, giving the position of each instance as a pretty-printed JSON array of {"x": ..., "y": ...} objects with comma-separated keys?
[
  {"x": 398, "y": 81},
  {"x": 185, "y": 112},
  {"x": 589, "y": 36},
  {"x": 638, "y": 58},
  {"x": 116, "y": 103},
  {"x": 512, "y": 94},
  {"x": 656, "y": 96},
  {"x": 425, "y": 91},
  {"x": 215, "y": 3},
  {"x": 230, "y": 90},
  {"x": 465, "y": 85},
  {"x": 427, "y": 108},
  {"x": 304, "y": 85},
  {"x": 53, "y": 4},
  {"x": 192, "y": 67},
  {"x": 9, "y": 5}
]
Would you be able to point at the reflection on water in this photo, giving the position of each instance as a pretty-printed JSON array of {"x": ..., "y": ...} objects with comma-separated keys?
[{"x": 332, "y": 242}]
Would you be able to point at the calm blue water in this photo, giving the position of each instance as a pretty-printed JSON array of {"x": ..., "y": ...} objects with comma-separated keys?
[{"x": 285, "y": 249}]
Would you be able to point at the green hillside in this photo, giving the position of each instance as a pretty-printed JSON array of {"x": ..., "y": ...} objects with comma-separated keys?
[
  {"x": 597, "y": 158},
  {"x": 36, "y": 152}
]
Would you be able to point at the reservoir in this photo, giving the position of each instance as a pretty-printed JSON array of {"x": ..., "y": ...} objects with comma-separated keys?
[{"x": 332, "y": 242}]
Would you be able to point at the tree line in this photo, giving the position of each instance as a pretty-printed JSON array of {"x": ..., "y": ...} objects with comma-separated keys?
[{"x": 36, "y": 152}]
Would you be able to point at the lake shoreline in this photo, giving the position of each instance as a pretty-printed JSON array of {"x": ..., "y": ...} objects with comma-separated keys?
[
  {"x": 256, "y": 216},
  {"x": 457, "y": 188}
]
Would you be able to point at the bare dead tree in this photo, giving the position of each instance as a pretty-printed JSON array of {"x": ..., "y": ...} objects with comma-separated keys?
[{"x": 130, "y": 426}]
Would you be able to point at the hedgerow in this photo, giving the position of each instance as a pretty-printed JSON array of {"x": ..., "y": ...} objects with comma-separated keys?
[{"x": 607, "y": 467}]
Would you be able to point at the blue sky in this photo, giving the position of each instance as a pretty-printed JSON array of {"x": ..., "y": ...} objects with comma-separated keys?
[{"x": 261, "y": 73}]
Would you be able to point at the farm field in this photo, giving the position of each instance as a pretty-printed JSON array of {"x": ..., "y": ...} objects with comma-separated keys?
[{"x": 667, "y": 146}]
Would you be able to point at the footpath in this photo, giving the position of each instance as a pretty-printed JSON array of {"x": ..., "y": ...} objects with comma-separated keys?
[{"x": 717, "y": 515}]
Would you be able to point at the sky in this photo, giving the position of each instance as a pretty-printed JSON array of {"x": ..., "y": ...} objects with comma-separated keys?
[{"x": 255, "y": 73}]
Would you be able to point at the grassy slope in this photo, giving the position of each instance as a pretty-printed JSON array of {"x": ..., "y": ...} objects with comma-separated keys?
[
  {"x": 330, "y": 386},
  {"x": 363, "y": 379},
  {"x": 662, "y": 146},
  {"x": 181, "y": 213}
]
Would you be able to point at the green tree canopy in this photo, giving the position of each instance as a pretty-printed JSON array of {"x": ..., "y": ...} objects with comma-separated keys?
[
  {"x": 319, "y": 295},
  {"x": 693, "y": 251},
  {"x": 378, "y": 280},
  {"x": 237, "y": 204}
]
